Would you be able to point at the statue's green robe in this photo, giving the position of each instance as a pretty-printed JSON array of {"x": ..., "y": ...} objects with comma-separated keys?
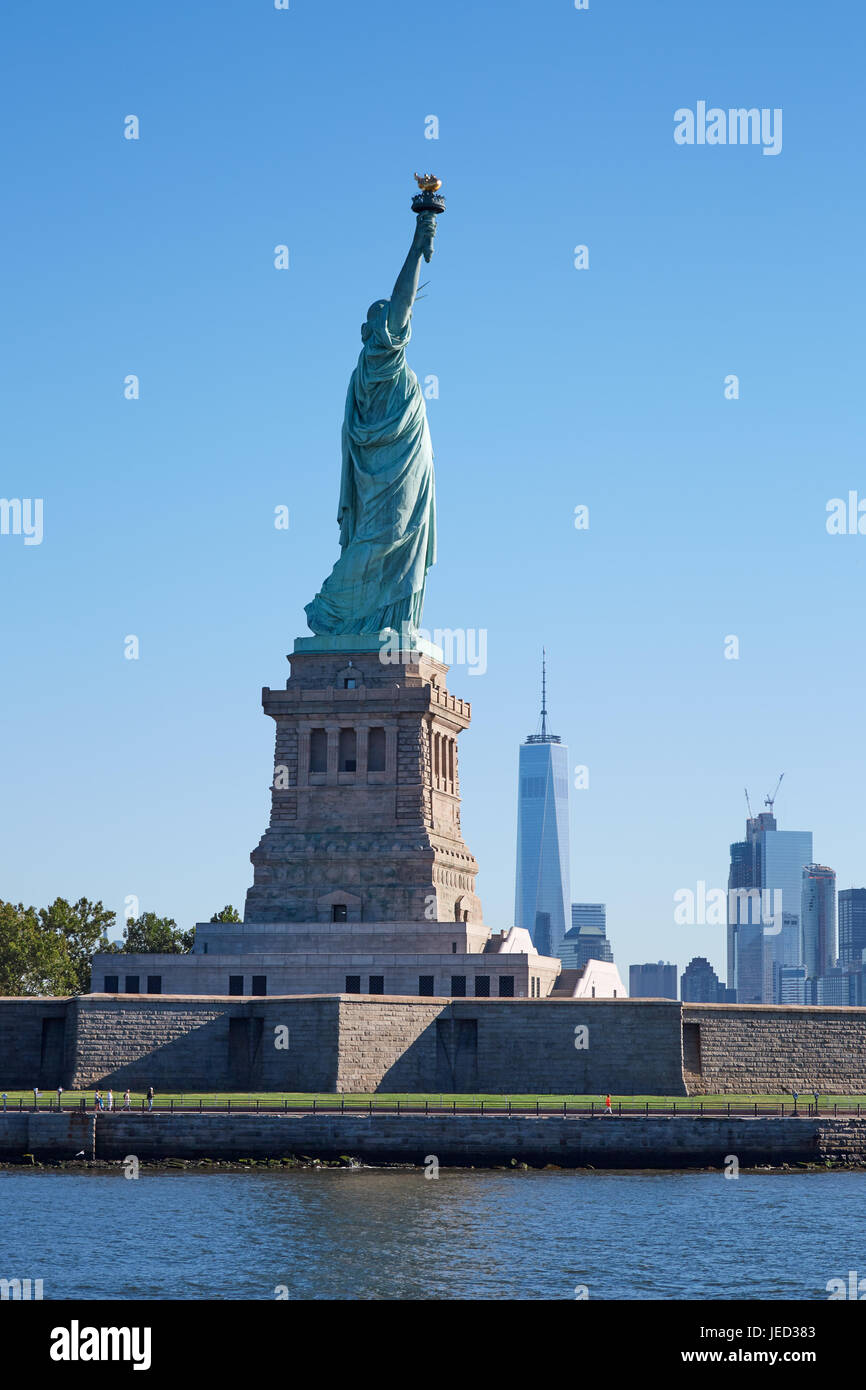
[{"x": 387, "y": 510}]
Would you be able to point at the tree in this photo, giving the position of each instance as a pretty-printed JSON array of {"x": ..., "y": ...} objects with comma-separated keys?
[
  {"x": 83, "y": 927},
  {"x": 149, "y": 935},
  {"x": 227, "y": 914},
  {"x": 34, "y": 959}
]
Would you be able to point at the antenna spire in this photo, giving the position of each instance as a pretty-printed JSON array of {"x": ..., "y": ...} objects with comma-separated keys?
[{"x": 543, "y": 736}]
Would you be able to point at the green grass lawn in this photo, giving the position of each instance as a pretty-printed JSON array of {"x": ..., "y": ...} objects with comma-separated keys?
[{"x": 355, "y": 1100}]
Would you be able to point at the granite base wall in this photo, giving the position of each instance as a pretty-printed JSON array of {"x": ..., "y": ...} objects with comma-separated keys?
[
  {"x": 389, "y": 1045},
  {"x": 379, "y": 1043},
  {"x": 353, "y": 1043},
  {"x": 192, "y": 1044},
  {"x": 768, "y": 1049},
  {"x": 515, "y": 1046},
  {"x": 634, "y": 1047}
]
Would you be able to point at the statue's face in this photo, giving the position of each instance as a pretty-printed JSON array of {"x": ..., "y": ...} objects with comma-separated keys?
[{"x": 372, "y": 313}]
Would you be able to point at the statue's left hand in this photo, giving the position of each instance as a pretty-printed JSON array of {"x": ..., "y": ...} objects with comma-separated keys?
[{"x": 425, "y": 231}]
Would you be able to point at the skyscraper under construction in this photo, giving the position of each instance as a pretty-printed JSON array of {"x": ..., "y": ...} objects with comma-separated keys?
[{"x": 764, "y": 905}]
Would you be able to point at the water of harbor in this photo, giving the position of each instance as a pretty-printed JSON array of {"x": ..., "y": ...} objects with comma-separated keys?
[{"x": 385, "y": 1234}]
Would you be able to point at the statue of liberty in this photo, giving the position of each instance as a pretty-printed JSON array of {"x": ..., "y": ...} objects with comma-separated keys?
[{"x": 387, "y": 507}]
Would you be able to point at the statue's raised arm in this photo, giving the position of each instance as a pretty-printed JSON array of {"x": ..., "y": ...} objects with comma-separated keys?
[
  {"x": 387, "y": 509},
  {"x": 406, "y": 285}
]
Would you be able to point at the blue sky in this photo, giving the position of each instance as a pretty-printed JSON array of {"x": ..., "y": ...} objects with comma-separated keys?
[{"x": 558, "y": 387}]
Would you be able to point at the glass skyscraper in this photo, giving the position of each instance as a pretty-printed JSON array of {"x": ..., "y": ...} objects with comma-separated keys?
[
  {"x": 764, "y": 906},
  {"x": 852, "y": 925},
  {"x": 793, "y": 985},
  {"x": 785, "y": 854},
  {"x": 589, "y": 915},
  {"x": 542, "y": 893},
  {"x": 819, "y": 920}
]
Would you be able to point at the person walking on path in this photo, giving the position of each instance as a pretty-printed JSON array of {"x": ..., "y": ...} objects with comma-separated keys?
[
  {"x": 97, "y": 1101},
  {"x": 608, "y": 1109},
  {"x": 150, "y": 1098},
  {"x": 111, "y": 1100},
  {"x": 126, "y": 1099}
]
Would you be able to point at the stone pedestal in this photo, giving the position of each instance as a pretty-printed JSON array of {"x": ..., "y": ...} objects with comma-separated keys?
[{"x": 365, "y": 801}]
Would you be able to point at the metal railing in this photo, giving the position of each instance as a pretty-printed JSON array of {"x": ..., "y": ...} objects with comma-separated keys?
[{"x": 343, "y": 1103}]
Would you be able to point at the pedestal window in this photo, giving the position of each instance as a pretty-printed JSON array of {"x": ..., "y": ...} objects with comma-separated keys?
[{"x": 318, "y": 750}]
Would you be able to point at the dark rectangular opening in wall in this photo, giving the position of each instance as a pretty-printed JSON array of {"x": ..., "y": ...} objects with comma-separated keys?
[
  {"x": 466, "y": 1054},
  {"x": 236, "y": 984},
  {"x": 347, "y": 750},
  {"x": 692, "y": 1048},
  {"x": 239, "y": 1052},
  {"x": 51, "y": 1057},
  {"x": 318, "y": 750},
  {"x": 376, "y": 750},
  {"x": 154, "y": 984},
  {"x": 131, "y": 984},
  {"x": 339, "y": 912},
  {"x": 458, "y": 986},
  {"x": 457, "y": 1054},
  {"x": 377, "y": 984},
  {"x": 426, "y": 984},
  {"x": 260, "y": 984},
  {"x": 482, "y": 986},
  {"x": 353, "y": 984},
  {"x": 506, "y": 986},
  {"x": 112, "y": 984}
]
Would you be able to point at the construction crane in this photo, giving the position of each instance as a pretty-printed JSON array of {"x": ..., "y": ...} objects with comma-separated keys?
[
  {"x": 748, "y": 804},
  {"x": 770, "y": 800}
]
